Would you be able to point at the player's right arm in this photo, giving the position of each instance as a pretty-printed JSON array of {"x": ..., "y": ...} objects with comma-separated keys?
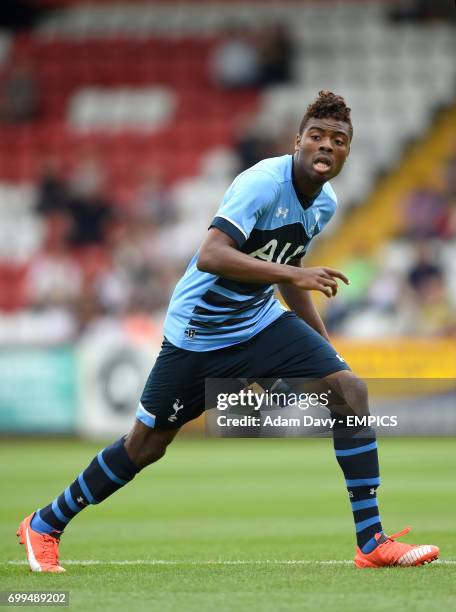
[
  {"x": 250, "y": 195},
  {"x": 219, "y": 254}
]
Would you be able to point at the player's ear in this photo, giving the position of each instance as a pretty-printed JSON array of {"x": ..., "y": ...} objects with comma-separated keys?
[{"x": 297, "y": 141}]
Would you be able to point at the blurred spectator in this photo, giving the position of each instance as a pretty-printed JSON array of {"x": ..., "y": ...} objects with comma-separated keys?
[
  {"x": 423, "y": 270},
  {"x": 90, "y": 216},
  {"x": 252, "y": 143},
  {"x": 18, "y": 14},
  {"x": 19, "y": 94},
  {"x": 235, "y": 61},
  {"x": 425, "y": 214},
  {"x": 52, "y": 190},
  {"x": 428, "y": 312},
  {"x": 52, "y": 285},
  {"x": 136, "y": 282},
  {"x": 88, "y": 206},
  {"x": 115, "y": 288},
  {"x": 151, "y": 199},
  {"x": 275, "y": 55},
  {"x": 53, "y": 278},
  {"x": 384, "y": 291},
  {"x": 88, "y": 177},
  {"x": 360, "y": 269},
  {"x": 431, "y": 212}
]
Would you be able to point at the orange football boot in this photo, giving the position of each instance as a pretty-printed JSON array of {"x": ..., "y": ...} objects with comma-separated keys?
[
  {"x": 42, "y": 549},
  {"x": 391, "y": 553}
]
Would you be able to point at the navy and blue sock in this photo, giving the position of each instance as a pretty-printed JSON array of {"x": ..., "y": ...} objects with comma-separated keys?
[
  {"x": 110, "y": 470},
  {"x": 358, "y": 458}
]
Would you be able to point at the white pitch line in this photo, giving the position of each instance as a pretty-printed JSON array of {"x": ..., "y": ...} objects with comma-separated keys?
[
  {"x": 232, "y": 562},
  {"x": 169, "y": 562}
]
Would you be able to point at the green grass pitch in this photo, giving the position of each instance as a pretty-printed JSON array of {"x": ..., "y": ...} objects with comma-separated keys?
[{"x": 235, "y": 525}]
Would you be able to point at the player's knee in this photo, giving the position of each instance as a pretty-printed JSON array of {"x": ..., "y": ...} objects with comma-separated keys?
[
  {"x": 150, "y": 455},
  {"x": 145, "y": 446},
  {"x": 356, "y": 387},
  {"x": 352, "y": 389},
  {"x": 146, "y": 454}
]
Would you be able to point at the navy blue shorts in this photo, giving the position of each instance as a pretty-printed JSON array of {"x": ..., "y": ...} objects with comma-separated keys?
[{"x": 288, "y": 348}]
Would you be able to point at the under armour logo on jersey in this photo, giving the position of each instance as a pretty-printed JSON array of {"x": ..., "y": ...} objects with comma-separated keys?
[
  {"x": 282, "y": 212},
  {"x": 176, "y": 408}
]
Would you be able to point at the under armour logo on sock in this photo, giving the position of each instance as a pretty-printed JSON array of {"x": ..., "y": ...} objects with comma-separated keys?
[
  {"x": 82, "y": 501},
  {"x": 372, "y": 491}
]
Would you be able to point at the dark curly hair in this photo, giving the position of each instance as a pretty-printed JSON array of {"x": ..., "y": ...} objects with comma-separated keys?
[{"x": 328, "y": 104}]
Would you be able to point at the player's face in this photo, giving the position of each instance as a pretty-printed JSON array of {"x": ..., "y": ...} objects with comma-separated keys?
[{"x": 322, "y": 148}]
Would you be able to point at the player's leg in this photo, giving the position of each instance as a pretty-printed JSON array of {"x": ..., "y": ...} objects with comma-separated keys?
[
  {"x": 357, "y": 455},
  {"x": 112, "y": 468},
  {"x": 356, "y": 452},
  {"x": 116, "y": 465},
  {"x": 309, "y": 356}
]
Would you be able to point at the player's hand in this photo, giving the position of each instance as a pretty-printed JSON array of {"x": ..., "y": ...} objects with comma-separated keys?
[{"x": 319, "y": 279}]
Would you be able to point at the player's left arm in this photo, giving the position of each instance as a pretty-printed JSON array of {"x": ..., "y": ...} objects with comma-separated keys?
[{"x": 300, "y": 301}]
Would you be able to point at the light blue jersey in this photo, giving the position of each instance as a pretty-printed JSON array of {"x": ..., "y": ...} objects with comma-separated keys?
[{"x": 262, "y": 213}]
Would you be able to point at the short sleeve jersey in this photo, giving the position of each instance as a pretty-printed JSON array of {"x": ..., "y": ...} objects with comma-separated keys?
[{"x": 262, "y": 213}]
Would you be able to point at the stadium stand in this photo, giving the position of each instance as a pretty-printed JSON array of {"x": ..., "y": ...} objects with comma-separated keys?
[{"x": 130, "y": 86}]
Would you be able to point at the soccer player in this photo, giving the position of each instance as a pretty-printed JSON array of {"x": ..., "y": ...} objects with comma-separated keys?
[{"x": 224, "y": 321}]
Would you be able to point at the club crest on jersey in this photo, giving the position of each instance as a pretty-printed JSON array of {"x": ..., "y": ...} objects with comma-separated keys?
[
  {"x": 281, "y": 212},
  {"x": 176, "y": 408}
]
